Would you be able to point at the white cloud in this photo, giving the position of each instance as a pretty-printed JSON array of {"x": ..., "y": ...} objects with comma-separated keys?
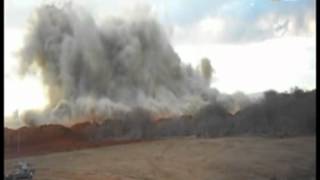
[
  {"x": 21, "y": 94},
  {"x": 274, "y": 64},
  {"x": 13, "y": 39},
  {"x": 279, "y": 63},
  {"x": 207, "y": 30},
  {"x": 244, "y": 26}
]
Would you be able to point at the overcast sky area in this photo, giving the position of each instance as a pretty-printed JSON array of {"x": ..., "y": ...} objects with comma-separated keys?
[{"x": 253, "y": 45}]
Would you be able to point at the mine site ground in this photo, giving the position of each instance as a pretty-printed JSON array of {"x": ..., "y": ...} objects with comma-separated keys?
[{"x": 226, "y": 158}]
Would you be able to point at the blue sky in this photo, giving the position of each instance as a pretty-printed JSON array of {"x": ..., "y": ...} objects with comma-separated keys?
[
  {"x": 241, "y": 17},
  {"x": 254, "y": 45}
]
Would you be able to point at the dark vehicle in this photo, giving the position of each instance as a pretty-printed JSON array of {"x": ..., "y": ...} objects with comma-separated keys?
[{"x": 23, "y": 171}]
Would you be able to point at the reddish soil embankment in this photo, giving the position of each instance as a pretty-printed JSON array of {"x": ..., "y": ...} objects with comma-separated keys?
[{"x": 45, "y": 139}]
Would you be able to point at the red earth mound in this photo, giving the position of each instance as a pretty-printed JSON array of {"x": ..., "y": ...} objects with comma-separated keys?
[{"x": 45, "y": 139}]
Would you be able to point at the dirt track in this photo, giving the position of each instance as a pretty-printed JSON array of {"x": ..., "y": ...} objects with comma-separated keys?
[{"x": 241, "y": 158}]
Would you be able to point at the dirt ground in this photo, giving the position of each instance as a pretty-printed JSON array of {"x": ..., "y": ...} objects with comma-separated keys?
[{"x": 241, "y": 158}]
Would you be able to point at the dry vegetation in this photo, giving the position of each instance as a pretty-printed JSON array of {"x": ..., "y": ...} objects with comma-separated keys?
[{"x": 277, "y": 115}]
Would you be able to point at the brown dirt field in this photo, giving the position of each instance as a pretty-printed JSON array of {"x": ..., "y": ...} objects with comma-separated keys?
[
  {"x": 47, "y": 139},
  {"x": 241, "y": 158}
]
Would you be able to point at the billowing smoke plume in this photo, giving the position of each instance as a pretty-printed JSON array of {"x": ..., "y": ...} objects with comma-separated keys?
[
  {"x": 105, "y": 69},
  {"x": 206, "y": 68}
]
